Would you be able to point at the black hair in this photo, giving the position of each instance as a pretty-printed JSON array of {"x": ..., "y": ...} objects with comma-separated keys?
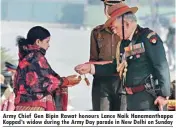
[
  {"x": 105, "y": 5},
  {"x": 34, "y": 33}
]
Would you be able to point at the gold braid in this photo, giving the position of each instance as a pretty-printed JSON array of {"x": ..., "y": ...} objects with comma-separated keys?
[
  {"x": 118, "y": 54},
  {"x": 121, "y": 67}
]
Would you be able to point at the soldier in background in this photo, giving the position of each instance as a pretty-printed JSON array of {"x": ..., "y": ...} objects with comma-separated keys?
[
  {"x": 7, "y": 94},
  {"x": 107, "y": 94},
  {"x": 2, "y": 83}
]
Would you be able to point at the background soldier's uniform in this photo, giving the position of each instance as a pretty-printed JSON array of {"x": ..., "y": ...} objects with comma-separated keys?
[
  {"x": 148, "y": 57},
  {"x": 7, "y": 95},
  {"x": 106, "y": 92}
]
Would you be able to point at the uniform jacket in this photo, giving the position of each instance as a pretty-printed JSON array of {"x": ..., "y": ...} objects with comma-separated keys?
[
  {"x": 103, "y": 44},
  {"x": 146, "y": 56}
]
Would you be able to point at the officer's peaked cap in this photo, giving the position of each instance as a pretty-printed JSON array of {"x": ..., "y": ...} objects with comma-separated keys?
[{"x": 112, "y": 2}]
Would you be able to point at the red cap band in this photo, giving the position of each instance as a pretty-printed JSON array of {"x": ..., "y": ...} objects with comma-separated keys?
[{"x": 122, "y": 9}]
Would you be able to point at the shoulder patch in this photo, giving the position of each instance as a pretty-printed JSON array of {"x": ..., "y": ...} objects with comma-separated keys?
[
  {"x": 153, "y": 40},
  {"x": 151, "y": 34},
  {"x": 152, "y": 37}
]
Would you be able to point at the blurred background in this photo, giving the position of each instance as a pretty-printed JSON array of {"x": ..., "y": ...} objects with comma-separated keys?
[{"x": 70, "y": 23}]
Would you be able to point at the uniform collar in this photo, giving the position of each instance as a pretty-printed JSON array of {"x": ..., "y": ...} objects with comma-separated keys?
[
  {"x": 108, "y": 30},
  {"x": 132, "y": 34}
]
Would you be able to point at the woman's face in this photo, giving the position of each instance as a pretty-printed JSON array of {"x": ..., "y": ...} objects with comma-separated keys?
[{"x": 44, "y": 43}]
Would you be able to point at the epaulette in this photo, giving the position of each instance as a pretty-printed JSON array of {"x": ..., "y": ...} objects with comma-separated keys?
[
  {"x": 152, "y": 37},
  {"x": 99, "y": 27},
  {"x": 108, "y": 30},
  {"x": 102, "y": 27},
  {"x": 151, "y": 34}
]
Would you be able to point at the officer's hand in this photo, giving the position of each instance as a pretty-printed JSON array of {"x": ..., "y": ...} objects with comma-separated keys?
[
  {"x": 73, "y": 80},
  {"x": 83, "y": 68},
  {"x": 161, "y": 102}
]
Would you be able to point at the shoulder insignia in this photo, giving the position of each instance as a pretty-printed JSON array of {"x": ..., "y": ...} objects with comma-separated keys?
[
  {"x": 99, "y": 27},
  {"x": 108, "y": 30},
  {"x": 152, "y": 37},
  {"x": 151, "y": 34},
  {"x": 153, "y": 40}
]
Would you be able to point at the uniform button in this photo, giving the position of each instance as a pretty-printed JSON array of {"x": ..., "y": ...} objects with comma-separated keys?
[
  {"x": 113, "y": 57},
  {"x": 112, "y": 45}
]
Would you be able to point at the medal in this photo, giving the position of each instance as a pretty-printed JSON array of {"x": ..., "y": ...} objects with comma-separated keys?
[{"x": 138, "y": 56}]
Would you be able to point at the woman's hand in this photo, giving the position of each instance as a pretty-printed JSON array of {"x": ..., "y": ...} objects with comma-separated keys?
[{"x": 73, "y": 80}]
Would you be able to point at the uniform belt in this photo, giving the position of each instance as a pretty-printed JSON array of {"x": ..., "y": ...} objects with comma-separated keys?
[{"x": 132, "y": 90}]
